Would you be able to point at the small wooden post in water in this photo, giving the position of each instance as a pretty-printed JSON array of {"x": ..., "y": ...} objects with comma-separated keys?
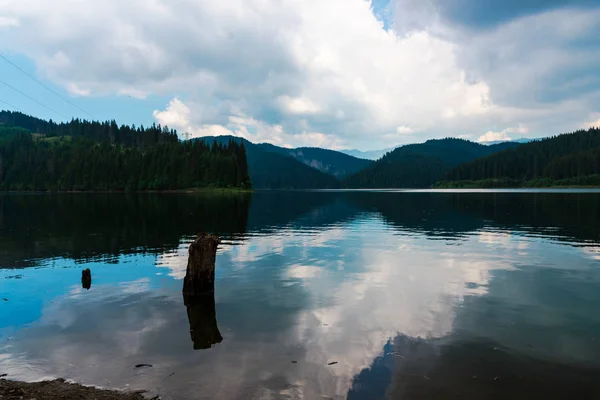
[
  {"x": 200, "y": 273},
  {"x": 86, "y": 279},
  {"x": 198, "y": 291}
]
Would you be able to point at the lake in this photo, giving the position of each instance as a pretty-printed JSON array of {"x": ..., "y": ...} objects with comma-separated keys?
[{"x": 318, "y": 295}]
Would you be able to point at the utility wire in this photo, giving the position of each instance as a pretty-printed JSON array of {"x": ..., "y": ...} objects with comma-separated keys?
[
  {"x": 11, "y": 106},
  {"x": 32, "y": 99},
  {"x": 46, "y": 87}
]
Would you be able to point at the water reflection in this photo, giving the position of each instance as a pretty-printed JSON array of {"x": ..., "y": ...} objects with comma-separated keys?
[
  {"x": 203, "y": 320},
  {"x": 84, "y": 227},
  {"x": 410, "y": 295},
  {"x": 417, "y": 368}
]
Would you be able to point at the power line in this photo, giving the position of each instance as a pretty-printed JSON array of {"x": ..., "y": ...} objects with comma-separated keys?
[
  {"x": 46, "y": 87},
  {"x": 32, "y": 99},
  {"x": 11, "y": 106}
]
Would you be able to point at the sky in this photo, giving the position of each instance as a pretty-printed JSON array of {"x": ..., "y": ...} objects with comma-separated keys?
[{"x": 329, "y": 73}]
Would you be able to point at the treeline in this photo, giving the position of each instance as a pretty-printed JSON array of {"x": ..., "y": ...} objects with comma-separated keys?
[
  {"x": 568, "y": 159},
  {"x": 82, "y": 155},
  {"x": 108, "y": 131},
  {"x": 582, "y": 181}
]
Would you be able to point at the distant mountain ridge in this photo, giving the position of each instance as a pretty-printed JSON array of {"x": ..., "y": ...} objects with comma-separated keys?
[
  {"x": 368, "y": 155},
  {"x": 331, "y": 162},
  {"x": 521, "y": 141},
  {"x": 410, "y": 166},
  {"x": 420, "y": 165},
  {"x": 377, "y": 154}
]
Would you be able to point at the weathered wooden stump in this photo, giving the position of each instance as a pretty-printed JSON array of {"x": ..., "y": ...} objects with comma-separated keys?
[
  {"x": 203, "y": 320},
  {"x": 86, "y": 279},
  {"x": 200, "y": 273},
  {"x": 199, "y": 291}
]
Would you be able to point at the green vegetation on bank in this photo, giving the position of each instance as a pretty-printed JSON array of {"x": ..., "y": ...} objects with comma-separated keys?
[
  {"x": 583, "y": 181},
  {"x": 92, "y": 156}
]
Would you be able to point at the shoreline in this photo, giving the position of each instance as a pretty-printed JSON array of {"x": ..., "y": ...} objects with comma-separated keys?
[
  {"x": 61, "y": 389},
  {"x": 168, "y": 191},
  {"x": 588, "y": 182},
  {"x": 233, "y": 191},
  {"x": 450, "y": 187}
]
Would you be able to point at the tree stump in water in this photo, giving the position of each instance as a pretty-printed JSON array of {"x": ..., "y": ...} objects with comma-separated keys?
[
  {"x": 198, "y": 291},
  {"x": 200, "y": 274}
]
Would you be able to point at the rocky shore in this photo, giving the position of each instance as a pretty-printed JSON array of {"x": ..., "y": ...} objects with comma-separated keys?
[{"x": 60, "y": 389}]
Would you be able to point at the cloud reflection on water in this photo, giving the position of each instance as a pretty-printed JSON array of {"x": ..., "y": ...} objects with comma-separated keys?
[{"x": 341, "y": 293}]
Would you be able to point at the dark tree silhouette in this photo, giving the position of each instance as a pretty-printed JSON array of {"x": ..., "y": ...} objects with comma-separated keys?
[
  {"x": 420, "y": 165},
  {"x": 569, "y": 159},
  {"x": 82, "y": 155}
]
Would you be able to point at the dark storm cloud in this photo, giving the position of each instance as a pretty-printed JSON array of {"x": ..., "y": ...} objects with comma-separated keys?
[
  {"x": 488, "y": 13},
  {"x": 538, "y": 59},
  {"x": 531, "y": 54}
]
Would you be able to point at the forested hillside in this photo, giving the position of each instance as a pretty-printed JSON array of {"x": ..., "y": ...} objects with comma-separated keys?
[
  {"x": 108, "y": 131},
  {"x": 271, "y": 167},
  {"x": 8, "y": 132},
  {"x": 420, "y": 165},
  {"x": 569, "y": 159},
  {"x": 82, "y": 155},
  {"x": 330, "y": 162}
]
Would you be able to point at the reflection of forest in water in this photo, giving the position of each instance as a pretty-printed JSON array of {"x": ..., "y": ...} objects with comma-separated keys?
[
  {"x": 466, "y": 368},
  {"x": 81, "y": 226},
  {"x": 494, "y": 349}
]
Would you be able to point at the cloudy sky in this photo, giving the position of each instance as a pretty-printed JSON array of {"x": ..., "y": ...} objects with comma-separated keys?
[{"x": 332, "y": 73}]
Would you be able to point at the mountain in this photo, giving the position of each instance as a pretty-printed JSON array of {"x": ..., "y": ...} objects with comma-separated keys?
[
  {"x": 569, "y": 159},
  {"x": 377, "y": 154},
  {"x": 331, "y": 162},
  {"x": 367, "y": 155},
  {"x": 272, "y": 167},
  {"x": 420, "y": 165}
]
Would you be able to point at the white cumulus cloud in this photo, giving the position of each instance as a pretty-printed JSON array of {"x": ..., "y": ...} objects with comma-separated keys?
[
  {"x": 8, "y": 21},
  {"x": 593, "y": 122},
  {"x": 504, "y": 135}
]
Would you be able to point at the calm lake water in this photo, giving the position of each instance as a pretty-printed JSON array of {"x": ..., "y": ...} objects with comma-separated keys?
[{"x": 318, "y": 295}]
